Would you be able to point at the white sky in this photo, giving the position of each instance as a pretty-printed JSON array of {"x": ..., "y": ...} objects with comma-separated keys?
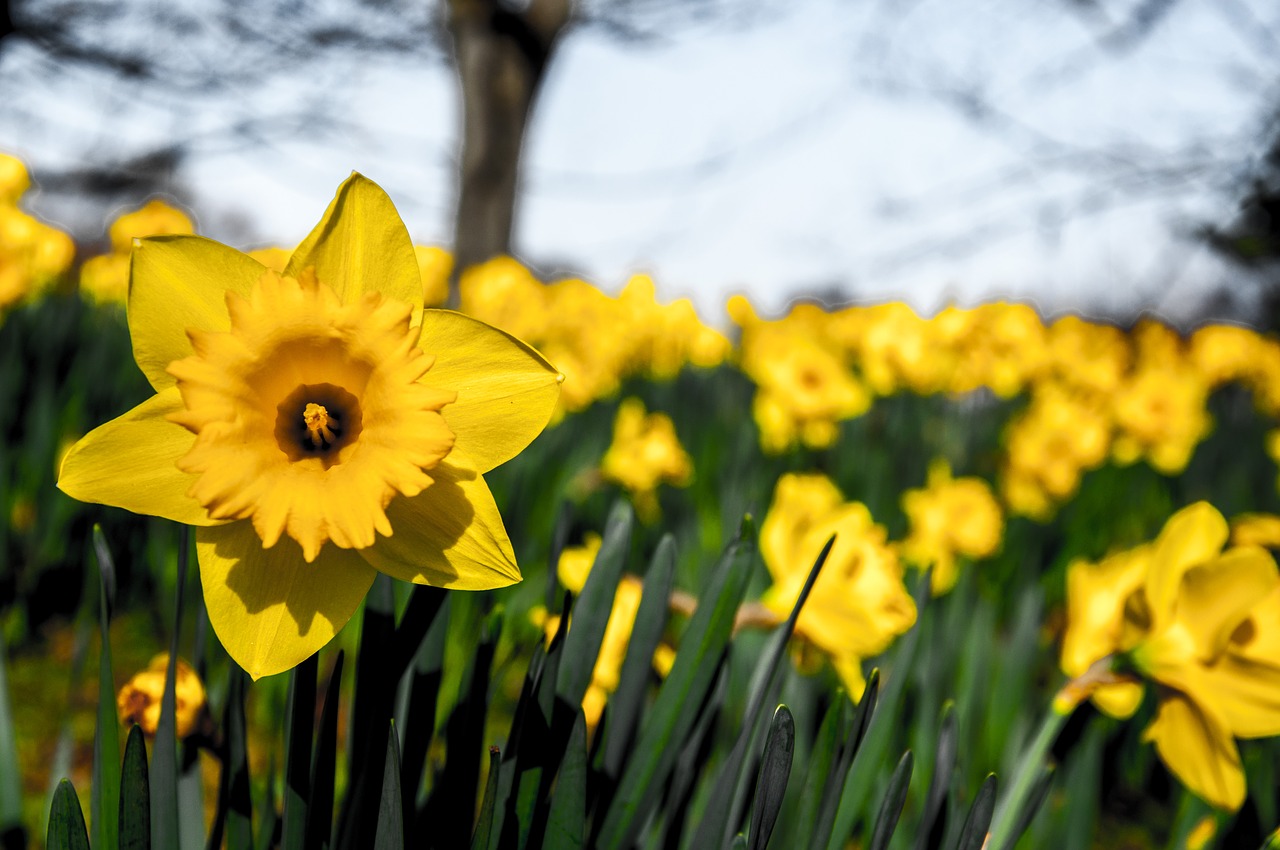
[{"x": 819, "y": 147}]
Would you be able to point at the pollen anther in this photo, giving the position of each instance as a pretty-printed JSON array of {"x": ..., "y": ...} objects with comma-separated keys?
[{"x": 319, "y": 425}]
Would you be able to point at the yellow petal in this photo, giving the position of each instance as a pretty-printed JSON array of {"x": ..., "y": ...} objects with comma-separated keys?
[
  {"x": 1199, "y": 750},
  {"x": 849, "y": 669},
  {"x": 1247, "y": 693},
  {"x": 131, "y": 463},
  {"x": 1216, "y": 597},
  {"x": 176, "y": 283},
  {"x": 1191, "y": 536},
  {"x": 361, "y": 245},
  {"x": 1120, "y": 700},
  {"x": 506, "y": 390},
  {"x": 449, "y": 535},
  {"x": 269, "y": 607}
]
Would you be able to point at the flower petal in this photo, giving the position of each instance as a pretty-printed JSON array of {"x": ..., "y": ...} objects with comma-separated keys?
[
  {"x": 361, "y": 245},
  {"x": 449, "y": 535},
  {"x": 1199, "y": 750},
  {"x": 269, "y": 607},
  {"x": 1120, "y": 700},
  {"x": 1216, "y": 597},
  {"x": 180, "y": 282},
  {"x": 1247, "y": 692},
  {"x": 506, "y": 390},
  {"x": 1191, "y": 536},
  {"x": 131, "y": 463}
]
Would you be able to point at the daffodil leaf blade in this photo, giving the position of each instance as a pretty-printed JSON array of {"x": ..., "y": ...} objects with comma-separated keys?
[
  {"x": 361, "y": 245},
  {"x": 299, "y": 729},
  {"x": 389, "y": 832},
  {"x": 177, "y": 283},
  {"x": 66, "y": 820},
  {"x": 129, "y": 462},
  {"x": 319, "y": 829},
  {"x": 668, "y": 725},
  {"x": 891, "y": 804},
  {"x": 567, "y": 818},
  {"x": 105, "y": 791},
  {"x": 637, "y": 665},
  {"x": 822, "y": 761},
  {"x": 771, "y": 784},
  {"x": 424, "y": 689},
  {"x": 506, "y": 390},
  {"x": 594, "y": 606},
  {"x": 933, "y": 820},
  {"x": 977, "y": 823},
  {"x": 482, "y": 836},
  {"x": 239, "y": 816},
  {"x": 165, "y": 822},
  {"x": 135, "y": 794}
]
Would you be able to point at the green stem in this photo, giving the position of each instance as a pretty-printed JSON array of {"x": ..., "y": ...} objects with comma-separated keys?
[{"x": 1033, "y": 760}]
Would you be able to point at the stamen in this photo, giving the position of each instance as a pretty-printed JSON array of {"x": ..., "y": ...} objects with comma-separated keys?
[{"x": 318, "y": 422}]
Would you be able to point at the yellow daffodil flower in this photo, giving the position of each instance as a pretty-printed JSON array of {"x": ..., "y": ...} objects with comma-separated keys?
[
  {"x": 140, "y": 698},
  {"x": 105, "y": 279},
  {"x": 317, "y": 426},
  {"x": 950, "y": 517},
  {"x": 858, "y": 604},
  {"x": 435, "y": 264},
  {"x": 1203, "y": 624},
  {"x": 645, "y": 453}
]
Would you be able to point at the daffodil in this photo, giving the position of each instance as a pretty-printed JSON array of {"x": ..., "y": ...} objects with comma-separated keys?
[
  {"x": 645, "y": 453},
  {"x": 140, "y": 699},
  {"x": 316, "y": 425},
  {"x": 950, "y": 517},
  {"x": 1203, "y": 625}
]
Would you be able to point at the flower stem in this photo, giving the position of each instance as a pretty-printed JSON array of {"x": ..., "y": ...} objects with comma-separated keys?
[{"x": 1033, "y": 759}]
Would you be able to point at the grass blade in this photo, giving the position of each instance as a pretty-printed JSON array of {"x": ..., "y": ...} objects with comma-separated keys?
[
  {"x": 390, "y": 831},
  {"x": 135, "y": 795},
  {"x": 66, "y": 821},
  {"x": 771, "y": 786},
  {"x": 164, "y": 753},
  {"x": 891, "y": 805}
]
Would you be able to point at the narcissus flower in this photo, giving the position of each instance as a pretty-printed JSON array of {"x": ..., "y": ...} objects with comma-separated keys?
[
  {"x": 140, "y": 698},
  {"x": 317, "y": 425},
  {"x": 1203, "y": 625},
  {"x": 645, "y": 453},
  {"x": 950, "y": 518}
]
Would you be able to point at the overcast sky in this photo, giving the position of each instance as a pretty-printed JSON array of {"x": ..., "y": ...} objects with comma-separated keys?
[{"x": 933, "y": 151}]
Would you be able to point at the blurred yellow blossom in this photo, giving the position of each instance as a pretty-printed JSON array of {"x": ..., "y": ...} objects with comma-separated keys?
[
  {"x": 1204, "y": 625},
  {"x": 14, "y": 179},
  {"x": 105, "y": 278},
  {"x": 950, "y": 517},
  {"x": 32, "y": 255},
  {"x": 1160, "y": 414},
  {"x": 1256, "y": 530},
  {"x": 272, "y": 256},
  {"x": 645, "y": 453},
  {"x": 858, "y": 604},
  {"x": 435, "y": 264},
  {"x": 1059, "y": 436},
  {"x": 140, "y": 699}
]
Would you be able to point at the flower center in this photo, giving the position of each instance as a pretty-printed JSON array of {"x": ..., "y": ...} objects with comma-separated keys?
[{"x": 317, "y": 421}]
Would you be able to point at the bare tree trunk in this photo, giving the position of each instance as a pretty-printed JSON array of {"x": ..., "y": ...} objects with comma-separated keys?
[{"x": 501, "y": 56}]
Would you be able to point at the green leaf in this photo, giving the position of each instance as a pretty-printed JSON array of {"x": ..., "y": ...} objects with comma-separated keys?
[
  {"x": 822, "y": 764},
  {"x": 424, "y": 693},
  {"x": 693, "y": 757},
  {"x": 390, "y": 831},
  {"x": 594, "y": 605},
  {"x": 320, "y": 810},
  {"x": 268, "y": 813},
  {"x": 974, "y": 832},
  {"x": 871, "y": 753},
  {"x": 722, "y": 813},
  {"x": 637, "y": 666},
  {"x": 666, "y": 728},
  {"x": 66, "y": 821},
  {"x": 1039, "y": 790},
  {"x": 10, "y": 776},
  {"x": 891, "y": 805},
  {"x": 105, "y": 791},
  {"x": 164, "y": 754},
  {"x": 771, "y": 785},
  {"x": 299, "y": 729},
  {"x": 236, "y": 767},
  {"x": 135, "y": 794},
  {"x": 567, "y": 820},
  {"x": 933, "y": 821},
  {"x": 480, "y": 838}
]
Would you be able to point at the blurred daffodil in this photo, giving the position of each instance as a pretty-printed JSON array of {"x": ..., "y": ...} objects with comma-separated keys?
[
  {"x": 1203, "y": 625},
  {"x": 317, "y": 426},
  {"x": 105, "y": 278},
  {"x": 645, "y": 453},
  {"x": 140, "y": 699},
  {"x": 950, "y": 518},
  {"x": 858, "y": 605}
]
